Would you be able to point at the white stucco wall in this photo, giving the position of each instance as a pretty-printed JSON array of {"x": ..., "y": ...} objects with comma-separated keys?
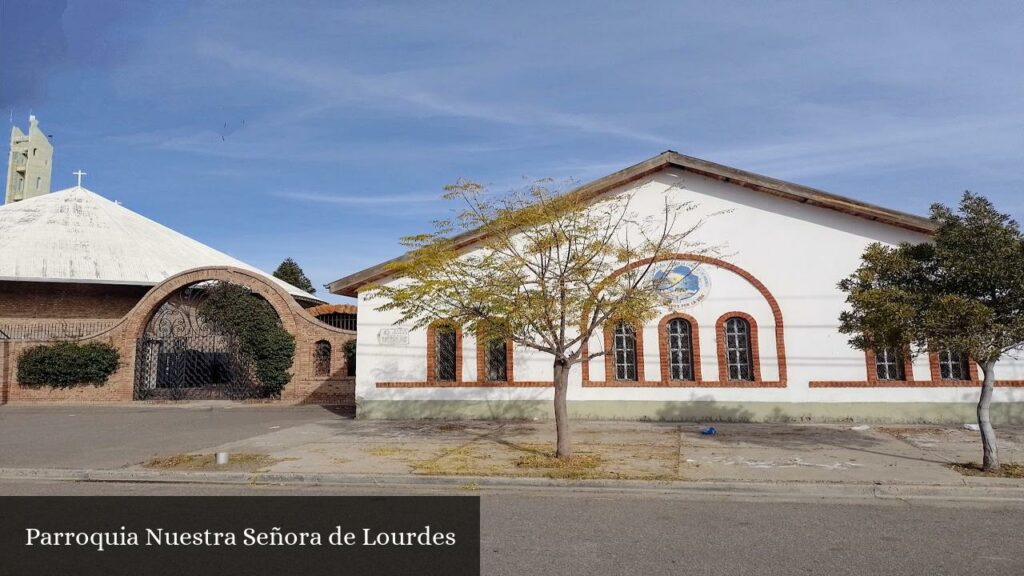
[{"x": 798, "y": 252}]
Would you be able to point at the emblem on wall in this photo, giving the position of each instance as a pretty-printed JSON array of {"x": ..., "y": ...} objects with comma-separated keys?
[
  {"x": 683, "y": 283},
  {"x": 393, "y": 336}
]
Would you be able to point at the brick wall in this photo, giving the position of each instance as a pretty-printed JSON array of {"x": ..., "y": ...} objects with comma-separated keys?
[
  {"x": 40, "y": 300},
  {"x": 305, "y": 387}
]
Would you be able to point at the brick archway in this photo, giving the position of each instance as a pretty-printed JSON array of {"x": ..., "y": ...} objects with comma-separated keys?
[
  {"x": 773, "y": 303},
  {"x": 276, "y": 296}
]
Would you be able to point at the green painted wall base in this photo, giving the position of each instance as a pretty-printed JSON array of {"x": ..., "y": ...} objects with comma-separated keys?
[{"x": 882, "y": 412}]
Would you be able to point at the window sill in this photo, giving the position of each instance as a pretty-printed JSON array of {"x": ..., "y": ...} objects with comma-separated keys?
[
  {"x": 685, "y": 384},
  {"x": 469, "y": 384},
  {"x": 912, "y": 384}
]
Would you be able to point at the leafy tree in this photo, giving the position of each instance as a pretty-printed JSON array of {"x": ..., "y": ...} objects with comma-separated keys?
[
  {"x": 234, "y": 310},
  {"x": 538, "y": 268},
  {"x": 290, "y": 272},
  {"x": 963, "y": 291}
]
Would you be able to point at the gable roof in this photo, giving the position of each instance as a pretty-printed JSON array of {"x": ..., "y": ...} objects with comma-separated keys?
[
  {"x": 349, "y": 285},
  {"x": 76, "y": 235}
]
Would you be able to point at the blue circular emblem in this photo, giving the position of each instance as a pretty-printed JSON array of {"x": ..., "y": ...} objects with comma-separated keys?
[{"x": 683, "y": 284}]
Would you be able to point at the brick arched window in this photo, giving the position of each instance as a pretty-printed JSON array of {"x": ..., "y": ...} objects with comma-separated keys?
[
  {"x": 738, "y": 355},
  {"x": 949, "y": 365},
  {"x": 890, "y": 365},
  {"x": 322, "y": 358},
  {"x": 679, "y": 346},
  {"x": 444, "y": 352},
  {"x": 493, "y": 359},
  {"x": 624, "y": 352}
]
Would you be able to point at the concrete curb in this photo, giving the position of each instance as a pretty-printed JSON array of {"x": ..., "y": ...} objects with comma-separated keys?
[{"x": 972, "y": 491}]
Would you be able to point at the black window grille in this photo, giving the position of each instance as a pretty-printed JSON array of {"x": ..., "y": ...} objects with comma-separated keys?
[
  {"x": 680, "y": 349},
  {"x": 497, "y": 360},
  {"x": 954, "y": 365},
  {"x": 889, "y": 364},
  {"x": 624, "y": 351},
  {"x": 322, "y": 359},
  {"x": 737, "y": 349},
  {"x": 444, "y": 353}
]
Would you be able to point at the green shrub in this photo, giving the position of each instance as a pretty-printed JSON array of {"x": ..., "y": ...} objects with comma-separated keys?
[
  {"x": 67, "y": 364},
  {"x": 235, "y": 311}
]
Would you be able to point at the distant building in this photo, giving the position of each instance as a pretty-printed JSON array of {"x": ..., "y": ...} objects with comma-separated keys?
[{"x": 30, "y": 164}]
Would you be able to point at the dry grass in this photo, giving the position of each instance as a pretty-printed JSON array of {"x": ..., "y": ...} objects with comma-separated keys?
[
  {"x": 1005, "y": 471},
  {"x": 240, "y": 462},
  {"x": 578, "y": 466},
  {"x": 906, "y": 432},
  {"x": 386, "y": 451}
]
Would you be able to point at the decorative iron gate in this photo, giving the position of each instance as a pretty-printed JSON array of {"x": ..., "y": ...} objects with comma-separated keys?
[{"x": 181, "y": 357}]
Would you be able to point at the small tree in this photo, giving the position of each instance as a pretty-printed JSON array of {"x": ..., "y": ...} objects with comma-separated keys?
[
  {"x": 538, "y": 268},
  {"x": 290, "y": 272},
  {"x": 963, "y": 292}
]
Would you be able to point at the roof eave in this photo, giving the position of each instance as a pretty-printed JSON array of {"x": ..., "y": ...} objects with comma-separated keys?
[{"x": 350, "y": 285}]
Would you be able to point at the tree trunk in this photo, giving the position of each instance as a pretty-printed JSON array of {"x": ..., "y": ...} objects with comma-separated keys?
[
  {"x": 990, "y": 460},
  {"x": 561, "y": 380}
]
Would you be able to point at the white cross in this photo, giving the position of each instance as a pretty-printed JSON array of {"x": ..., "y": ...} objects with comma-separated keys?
[{"x": 79, "y": 174}]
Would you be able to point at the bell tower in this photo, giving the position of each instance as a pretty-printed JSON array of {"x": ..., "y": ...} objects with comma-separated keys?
[{"x": 30, "y": 164}]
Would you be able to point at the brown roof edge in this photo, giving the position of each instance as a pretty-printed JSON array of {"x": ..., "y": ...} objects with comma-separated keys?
[{"x": 349, "y": 285}]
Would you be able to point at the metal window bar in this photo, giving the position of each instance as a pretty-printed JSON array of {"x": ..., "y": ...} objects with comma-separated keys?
[
  {"x": 322, "y": 359},
  {"x": 338, "y": 320},
  {"x": 624, "y": 352},
  {"x": 195, "y": 367},
  {"x": 889, "y": 364},
  {"x": 953, "y": 365},
  {"x": 444, "y": 354},
  {"x": 680, "y": 349},
  {"x": 497, "y": 359},
  {"x": 62, "y": 330},
  {"x": 737, "y": 349}
]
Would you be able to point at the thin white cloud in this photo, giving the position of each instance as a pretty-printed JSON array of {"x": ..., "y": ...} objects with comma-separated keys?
[
  {"x": 369, "y": 200},
  {"x": 338, "y": 85}
]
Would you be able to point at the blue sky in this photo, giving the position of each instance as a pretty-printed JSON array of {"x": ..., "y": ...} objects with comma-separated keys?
[{"x": 324, "y": 131}]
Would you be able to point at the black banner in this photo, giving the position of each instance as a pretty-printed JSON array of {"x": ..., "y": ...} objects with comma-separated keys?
[{"x": 254, "y": 536}]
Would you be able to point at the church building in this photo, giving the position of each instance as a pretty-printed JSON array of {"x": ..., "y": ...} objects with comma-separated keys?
[
  {"x": 751, "y": 334},
  {"x": 75, "y": 266}
]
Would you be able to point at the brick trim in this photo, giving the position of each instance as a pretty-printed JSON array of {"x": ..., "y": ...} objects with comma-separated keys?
[
  {"x": 432, "y": 350},
  {"x": 755, "y": 349},
  {"x": 663, "y": 352},
  {"x": 438, "y": 384},
  {"x": 481, "y": 360},
  {"x": 609, "y": 360},
  {"x": 780, "y": 341},
  {"x": 912, "y": 384},
  {"x": 684, "y": 384},
  {"x": 908, "y": 367}
]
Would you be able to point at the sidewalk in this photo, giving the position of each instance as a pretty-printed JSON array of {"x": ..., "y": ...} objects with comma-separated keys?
[
  {"x": 628, "y": 451},
  {"x": 318, "y": 443}
]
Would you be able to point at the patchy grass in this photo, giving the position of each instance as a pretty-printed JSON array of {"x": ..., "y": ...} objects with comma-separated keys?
[
  {"x": 907, "y": 432},
  {"x": 459, "y": 461},
  {"x": 386, "y": 451},
  {"x": 1012, "y": 470},
  {"x": 240, "y": 462},
  {"x": 578, "y": 466},
  {"x": 471, "y": 487}
]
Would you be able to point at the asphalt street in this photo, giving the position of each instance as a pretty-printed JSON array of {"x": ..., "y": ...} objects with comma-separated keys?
[{"x": 552, "y": 531}]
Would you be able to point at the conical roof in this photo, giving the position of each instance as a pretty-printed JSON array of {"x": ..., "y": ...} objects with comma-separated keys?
[{"x": 76, "y": 235}]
